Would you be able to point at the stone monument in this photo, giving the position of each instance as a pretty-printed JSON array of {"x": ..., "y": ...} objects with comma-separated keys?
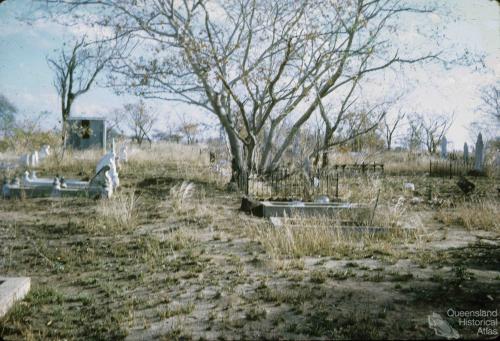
[
  {"x": 478, "y": 163},
  {"x": 444, "y": 145}
]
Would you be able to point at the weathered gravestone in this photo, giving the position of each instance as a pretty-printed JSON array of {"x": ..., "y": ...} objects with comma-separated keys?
[
  {"x": 466, "y": 152},
  {"x": 444, "y": 145},
  {"x": 109, "y": 159},
  {"x": 479, "y": 161},
  {"x": 465, "y": 185}
]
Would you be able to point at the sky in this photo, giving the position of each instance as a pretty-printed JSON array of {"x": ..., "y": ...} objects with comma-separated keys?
[{"x": 26, "y": 79}]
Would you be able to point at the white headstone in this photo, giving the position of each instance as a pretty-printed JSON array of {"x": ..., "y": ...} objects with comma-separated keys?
[
  {"x": 466, "y": 152},
  {"x": 102, "y": 183},
  {"x": 444, "y": 145},
  {"x": 478, "y": 163},
  {"x": 44, "y": 152},
  {"x": 109, "y": 160},
  {"x": 123, "y": 154}
]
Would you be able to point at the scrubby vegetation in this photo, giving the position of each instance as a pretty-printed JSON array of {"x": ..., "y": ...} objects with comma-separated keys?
[{"x": 170, "y": 256}]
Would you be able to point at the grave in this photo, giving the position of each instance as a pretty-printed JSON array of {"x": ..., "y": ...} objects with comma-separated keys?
[
  {"x": 355, "y": 212},
  {"x": 479, "y": 160},
  {"x": 100, "y": 186},
  {"x": 11, "y": 290},
  {"x": 444, "y": 145}
]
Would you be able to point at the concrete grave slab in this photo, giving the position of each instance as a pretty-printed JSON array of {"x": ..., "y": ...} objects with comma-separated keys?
[
  {"x": 358, "y": 212},
  {"x": 11, "y": 290}
]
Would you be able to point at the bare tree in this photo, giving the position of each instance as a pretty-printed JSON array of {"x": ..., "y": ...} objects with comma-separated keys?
[
  {"x": 253, "y": 63},
  {"x": 75, "y": 71},
  {"x": 433, "y": 128},
  {"x": 7, "y": 116},
  {"x": 188, "y": 129},
  {"x": 140, "y": 120},
  {"x": 414, "y": 137},
  {"x": 490, "y": 98},
  {"x": 349, "y": 127},
  {"x": 389, "y": 127}
]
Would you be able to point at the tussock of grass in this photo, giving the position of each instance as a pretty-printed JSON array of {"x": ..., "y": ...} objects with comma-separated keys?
[
  {"x": 116, "y": 214},
  {"x": 180, "y": 194},
  {"x": 177, "y": 310},
  {"x": 479, "y": 215},
  {"x": 299, "y": 237}
]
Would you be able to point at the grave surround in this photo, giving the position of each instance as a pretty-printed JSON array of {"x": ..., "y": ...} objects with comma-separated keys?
[{"x": 12, "y": 289}]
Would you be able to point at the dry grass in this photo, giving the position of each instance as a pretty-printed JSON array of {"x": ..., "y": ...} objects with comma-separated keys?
[
  {"x": 395, "y": 163},
  {"x": 117, "y": 214},
  {"x": 72, "y": 162},
  {"x": 181, "y": 193},
  {"x": 483, "y": 214},
  {"x": 299, "y": 237}
]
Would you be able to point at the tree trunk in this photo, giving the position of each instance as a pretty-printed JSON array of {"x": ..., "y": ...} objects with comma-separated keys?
[
  {"x": 324, "y": 161},
  {"x": 237, "y": 165},
  {"x": 249, "y": 154},
  {"x": 267, "y": 148}
]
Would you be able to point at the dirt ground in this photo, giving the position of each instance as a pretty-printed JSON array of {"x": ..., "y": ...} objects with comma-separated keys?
[{"x": 194, "y": 269}]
